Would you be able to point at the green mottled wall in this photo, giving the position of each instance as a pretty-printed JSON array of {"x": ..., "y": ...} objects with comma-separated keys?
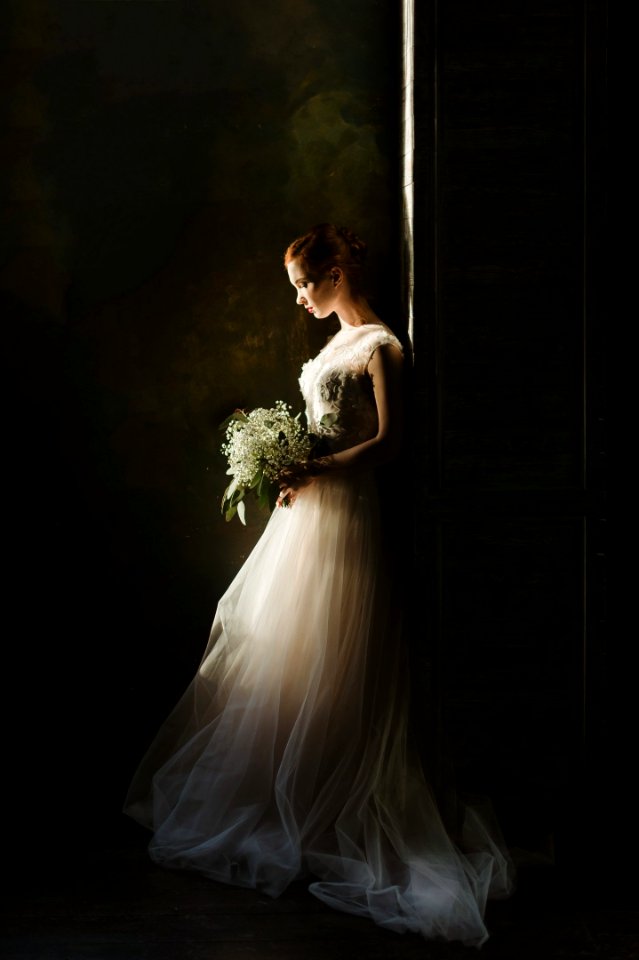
[{"x": 161, "y": 155}]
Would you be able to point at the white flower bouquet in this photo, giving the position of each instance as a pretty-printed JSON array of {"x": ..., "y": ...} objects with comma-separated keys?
[{"x": 258, "y": 446}]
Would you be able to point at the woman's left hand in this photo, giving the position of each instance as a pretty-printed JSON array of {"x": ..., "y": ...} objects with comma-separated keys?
[
  {"x": 286, "y": 497},
  {"x": 290, "y": 482},
  {"x": 292, "y": 479}
]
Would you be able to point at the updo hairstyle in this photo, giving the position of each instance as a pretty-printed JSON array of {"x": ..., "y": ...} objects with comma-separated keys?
[{"x": 326, "y": 246}]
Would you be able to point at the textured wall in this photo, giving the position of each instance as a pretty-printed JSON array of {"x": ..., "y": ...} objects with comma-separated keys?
[{"x": 161, "y": 155}]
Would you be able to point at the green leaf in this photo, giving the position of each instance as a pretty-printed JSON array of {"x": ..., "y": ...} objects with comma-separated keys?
[
  {"x": 239, "y": 494},
  {"x": 230, "y": 513},
  {"x": 236, "y": 415},
  {"x": 227, "y": 496},
  {"x": 268, "y": 494},
  {"x": 273, "y": 494}
]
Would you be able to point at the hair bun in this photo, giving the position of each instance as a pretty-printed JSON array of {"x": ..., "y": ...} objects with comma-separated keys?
[
  {"x": 358, "y": 249},
  {"x": 327, "y": 245}
]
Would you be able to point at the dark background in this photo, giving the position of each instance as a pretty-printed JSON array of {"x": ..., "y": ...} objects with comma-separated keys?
[{"x": 159, "y": 157}]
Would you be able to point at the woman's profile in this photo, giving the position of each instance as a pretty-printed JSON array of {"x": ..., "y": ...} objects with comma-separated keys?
[{"x": 289, "y": 754}]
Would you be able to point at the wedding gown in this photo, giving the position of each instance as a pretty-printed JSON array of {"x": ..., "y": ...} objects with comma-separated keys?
[{"x": 289, "y": 754}]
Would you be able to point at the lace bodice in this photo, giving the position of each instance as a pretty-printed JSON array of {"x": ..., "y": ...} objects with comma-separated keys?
[{"x": 337, "y": 389}]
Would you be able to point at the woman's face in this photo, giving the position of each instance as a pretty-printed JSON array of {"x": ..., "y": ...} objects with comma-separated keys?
[{"x": 315, "y": 294}]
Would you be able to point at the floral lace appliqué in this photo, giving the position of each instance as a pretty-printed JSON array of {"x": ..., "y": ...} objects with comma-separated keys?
[{"x": 337, "y": 389}]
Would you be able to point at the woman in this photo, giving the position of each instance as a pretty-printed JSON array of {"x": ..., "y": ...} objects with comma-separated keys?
[{"x": 289, "y": 753}]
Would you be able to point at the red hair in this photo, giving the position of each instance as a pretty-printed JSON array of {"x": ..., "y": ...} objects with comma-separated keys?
[{"x": 326, "y": 246}]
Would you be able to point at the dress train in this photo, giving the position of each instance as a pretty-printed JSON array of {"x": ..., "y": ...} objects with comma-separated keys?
[{"x": 289, "y": 754}]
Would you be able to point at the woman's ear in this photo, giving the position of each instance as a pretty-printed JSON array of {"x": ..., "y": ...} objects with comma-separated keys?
[{"x": 336, "y": 276}]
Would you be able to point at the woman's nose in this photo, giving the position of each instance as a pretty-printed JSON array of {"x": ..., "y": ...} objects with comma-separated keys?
[{"x": 300, "y": 297}]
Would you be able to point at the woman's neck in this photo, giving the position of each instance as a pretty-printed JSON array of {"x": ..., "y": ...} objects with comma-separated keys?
[{"x": 356, "y": 313}]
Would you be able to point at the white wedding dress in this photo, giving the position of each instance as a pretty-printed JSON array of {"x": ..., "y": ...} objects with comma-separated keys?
[{"x": 289, "y": 754}]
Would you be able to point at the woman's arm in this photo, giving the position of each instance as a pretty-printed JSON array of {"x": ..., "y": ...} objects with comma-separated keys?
[{"x": 385, "y": 371}]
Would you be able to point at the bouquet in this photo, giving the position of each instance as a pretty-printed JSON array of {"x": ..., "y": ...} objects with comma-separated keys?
[{"x": 258, "y": 446}]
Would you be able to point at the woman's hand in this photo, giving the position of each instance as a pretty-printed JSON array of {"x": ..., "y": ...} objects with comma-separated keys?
[{"x": 293, "y": 478}]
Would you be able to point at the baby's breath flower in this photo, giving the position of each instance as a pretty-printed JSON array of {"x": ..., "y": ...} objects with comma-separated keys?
[{"x": 258, "y": 446}]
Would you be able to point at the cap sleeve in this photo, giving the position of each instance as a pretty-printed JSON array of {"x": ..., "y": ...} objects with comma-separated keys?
[{"x": 370, "y": 343}]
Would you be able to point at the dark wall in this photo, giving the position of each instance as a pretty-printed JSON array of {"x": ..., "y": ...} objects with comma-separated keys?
[
  {"x": 161, "y": 156},
  {"x": 509, "y": 372}
]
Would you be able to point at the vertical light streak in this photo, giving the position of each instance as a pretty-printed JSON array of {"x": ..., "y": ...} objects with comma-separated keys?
[{"x": 408, "y": 146}]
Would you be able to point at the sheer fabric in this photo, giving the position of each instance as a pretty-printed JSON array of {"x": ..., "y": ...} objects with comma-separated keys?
[{"x": 289, "y": 754}]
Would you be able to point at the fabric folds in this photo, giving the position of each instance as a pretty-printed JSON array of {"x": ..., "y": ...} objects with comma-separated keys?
[{"x": 289, "y": 753}]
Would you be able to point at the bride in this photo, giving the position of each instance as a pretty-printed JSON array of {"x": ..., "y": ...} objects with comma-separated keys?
[{"x": 289, "y": 754}]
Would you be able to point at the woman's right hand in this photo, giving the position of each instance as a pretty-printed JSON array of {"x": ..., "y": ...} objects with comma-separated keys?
[{"x": 299, "y": 475}]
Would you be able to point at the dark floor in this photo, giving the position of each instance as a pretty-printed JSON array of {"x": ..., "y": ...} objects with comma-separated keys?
[{"x": 117, "y": 905}]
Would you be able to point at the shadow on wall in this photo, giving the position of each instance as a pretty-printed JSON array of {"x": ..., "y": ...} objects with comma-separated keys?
[{"x": 161, "y": 159}]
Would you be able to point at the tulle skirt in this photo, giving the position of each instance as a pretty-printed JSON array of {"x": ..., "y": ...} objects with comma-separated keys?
[{"x": 289, "y": 754}]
